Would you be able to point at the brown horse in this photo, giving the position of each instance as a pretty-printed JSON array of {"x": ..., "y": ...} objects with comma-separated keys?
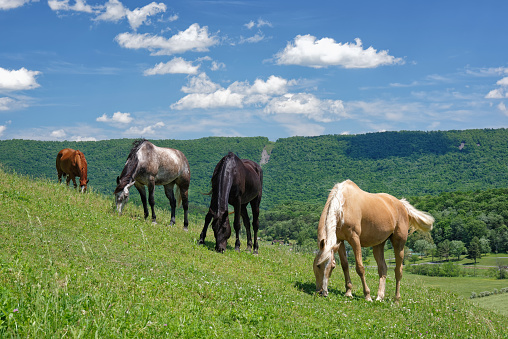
[
  {"x": 72, "y": 164},
  {"x": 237, "y": 182},
  {"x": 364, "y": 220}
]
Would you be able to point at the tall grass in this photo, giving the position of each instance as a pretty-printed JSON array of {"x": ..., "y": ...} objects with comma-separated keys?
[{"x": 71, "y": 267}]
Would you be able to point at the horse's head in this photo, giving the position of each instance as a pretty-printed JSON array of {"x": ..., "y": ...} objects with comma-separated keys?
[
  {"x": 83, "y": 182},
  {"x": 122, "y": 197},
  {"x": 221, "y": 230},
  {"x": 324, "y": 263}
]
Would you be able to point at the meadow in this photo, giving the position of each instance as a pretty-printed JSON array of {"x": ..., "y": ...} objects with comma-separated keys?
[{"x": 71, "y": 267}]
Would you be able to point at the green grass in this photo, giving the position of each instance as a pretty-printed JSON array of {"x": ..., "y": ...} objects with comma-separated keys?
[{"x": 71, "y": 267}]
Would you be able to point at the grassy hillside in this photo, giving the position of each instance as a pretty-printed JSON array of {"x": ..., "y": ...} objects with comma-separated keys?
[{"x": 70, "y": 266}]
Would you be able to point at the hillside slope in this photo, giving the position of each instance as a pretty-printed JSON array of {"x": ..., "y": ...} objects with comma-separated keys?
[{"x": 70, "y": 266}]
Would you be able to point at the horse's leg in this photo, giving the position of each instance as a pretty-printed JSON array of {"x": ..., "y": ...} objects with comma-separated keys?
[
  {"x": 379, "y": 255},
  {"x": 255, "y": 221},
  {"x": 151, "y": 199},
  {"x": 142, "y": 194},
  {"x": 237, "y": 223},
  {"x": 168, "y": 189},
  {"x": 360, "y": 269},
  {"x": 184, "y": 195},
  {"x": 74, "y": 181},
  {"x": 345, "y": 268},
  {"x": 246, "y": 223},
  {"x": 208, "y": 218},
  {"x": 398, "y": 249}
]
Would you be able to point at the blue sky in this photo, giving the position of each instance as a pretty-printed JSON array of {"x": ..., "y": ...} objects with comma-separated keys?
[{"x": 94, "y": 70}]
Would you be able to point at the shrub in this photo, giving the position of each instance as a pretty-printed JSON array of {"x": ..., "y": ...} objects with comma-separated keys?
[{"x": 473, "y": 295}]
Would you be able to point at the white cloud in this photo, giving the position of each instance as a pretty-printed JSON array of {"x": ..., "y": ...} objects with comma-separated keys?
[
  {"x": 260, "y": 23},
  {"x": 307, "y": 51},
  {"x": 175, "y": 66},
  {"x": 10, "y": 4},
  {"x": 200, "y": 84},
  {"x": 503, "y": 82},
  {"x": 118, "y": 117},
  {"x": 503, "y": 108},
  {"x": 59, "y": 133},
  {"x": 142, "y": 131},
  {"x": 299, "y": 127},
  {"x": 217, "y": 66},
  {"x": 498, "y": 93},
  {"x": 2, "y": 129},
  {"x": 114, "y": 11},
  {"x": 80, "y": 138},
  {"x": 308, "y": 105},
  {"x": 6, "y": 104},
  {"x": 63, "y": 5},
  {"x": 21, "y": 79},
  {"x": 253, "y": 39},
  {"x": 194, "y": 38},
  {"x": 205, "y": 94}
]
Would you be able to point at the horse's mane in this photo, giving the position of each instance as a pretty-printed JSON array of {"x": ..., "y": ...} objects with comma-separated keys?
[
  {"x": 334, "y": 208},
  {"x": 217, "y": 176},
  {"x": 131, "y": 165},
  {"x": 83, "y": 167}
]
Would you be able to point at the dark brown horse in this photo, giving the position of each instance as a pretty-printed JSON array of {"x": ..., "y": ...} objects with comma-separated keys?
[
  {"x": 236, "y": 182},
  {"x": 149, "y": 165},
  {"x": 72, "y": 164}
]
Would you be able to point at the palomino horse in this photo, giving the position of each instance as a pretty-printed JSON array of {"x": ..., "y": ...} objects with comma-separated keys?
[
  {"x": 364, "y": 220},
  {"x": 150, "y": 165},
  {"x": 72, "y": 164},
  {"x": 237, "y": 182}
]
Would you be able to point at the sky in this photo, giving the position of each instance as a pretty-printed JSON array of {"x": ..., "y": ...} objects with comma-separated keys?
[{"x": 84, "y": 70}]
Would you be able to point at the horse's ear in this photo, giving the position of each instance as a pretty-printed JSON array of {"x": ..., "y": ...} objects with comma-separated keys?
[
  {"x": 118, "y": 180},
  {"x": 322, "y": 244},
  {"x": 335, "y": 248}
]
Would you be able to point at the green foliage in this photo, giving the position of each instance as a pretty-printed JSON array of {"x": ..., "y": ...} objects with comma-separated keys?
[{"x": 71, "y": 267}]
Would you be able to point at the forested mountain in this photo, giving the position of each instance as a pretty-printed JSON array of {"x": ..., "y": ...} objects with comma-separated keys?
[{"x": 426, "y": 167}]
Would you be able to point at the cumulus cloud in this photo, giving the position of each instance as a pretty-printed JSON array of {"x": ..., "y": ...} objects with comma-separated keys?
[
  {"x": 175, "y": 66},
  {"x": 272, "y": 95},
  {"x": 2, "y": 129},
  {"x": 148, "y": 130},
  {"x": 64, "y": 5},
  {"x": 59, "y": 133},
  {"x": 114, "y": 11},
  {"x": 118, "y": 117},
  {"x": 503, "y": 108},
  {"x": 306, "y": 50},
  {"x": 6, "y": 103},
  {"x": 501, "y": 92},
  {"x": 17, "y": 80},
  {"x": 204, "y": 93},
  {"x": 10, "y": 4},
  {"x": 194, "y": 38},
  {"x": 308, "y": 105}
]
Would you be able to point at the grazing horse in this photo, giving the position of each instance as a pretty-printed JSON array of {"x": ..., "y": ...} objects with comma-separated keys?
[
  {"x": 72, "y": 164},
  {"x": 150, "y": 165},
  {"x": 364, "y": 220},
  {"x": 237, "y": 182}
]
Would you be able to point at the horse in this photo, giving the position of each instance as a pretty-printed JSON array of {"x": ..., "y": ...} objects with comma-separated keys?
[
  {"x": 149, "y": 165},
  {"x": 71, "y": 164},
  {"x": 364, "y": 220},
  {"x": 237, "y": 182}
]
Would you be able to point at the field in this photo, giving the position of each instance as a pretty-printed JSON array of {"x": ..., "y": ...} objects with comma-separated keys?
[{"x": 71, "y": 267}]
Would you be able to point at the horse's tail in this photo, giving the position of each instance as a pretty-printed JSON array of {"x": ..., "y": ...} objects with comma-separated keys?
[
  {"x": 178, "y": 196},
  {"x": 418, "y": 219}
]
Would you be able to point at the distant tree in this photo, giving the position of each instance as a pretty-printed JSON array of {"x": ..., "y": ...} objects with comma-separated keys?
[
  {"x": 444, "y": 248},
  {"x": 484, "y": 245},
  {"x": 474, "y": 250},
  {"x": 433, "y": 251},
  {"x": 422, "y": 246},
  {"x": 457, "y": 247}
]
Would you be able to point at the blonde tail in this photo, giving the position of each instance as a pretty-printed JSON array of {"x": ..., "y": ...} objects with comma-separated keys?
[
  {"x": 178, "y": 196},
  {"x": 418, "y": 219}
]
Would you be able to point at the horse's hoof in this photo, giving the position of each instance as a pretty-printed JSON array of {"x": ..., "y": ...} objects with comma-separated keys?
[
  {"x": 237, "y": 249},
  {"x": 186, "y": 228}
]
